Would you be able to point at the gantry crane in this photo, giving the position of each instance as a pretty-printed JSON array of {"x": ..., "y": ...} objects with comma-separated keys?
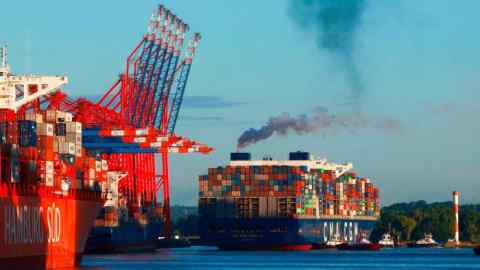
[{"x": 136, "y": 117}]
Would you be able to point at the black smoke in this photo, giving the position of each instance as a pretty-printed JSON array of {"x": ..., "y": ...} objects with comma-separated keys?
[
  {"x": 335, "y": 24},
  {"x": 320, "y": 120}
]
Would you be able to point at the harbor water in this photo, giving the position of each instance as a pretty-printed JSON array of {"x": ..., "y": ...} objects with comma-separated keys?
[{"x": 211, "y": 258}]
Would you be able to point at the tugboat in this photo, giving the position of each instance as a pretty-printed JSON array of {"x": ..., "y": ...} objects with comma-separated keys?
[
  {"x": 363, "y": 245},
  {"x": 175, "y": 242},
  {"x": 386, "y": 241},
  {"x": 477, "y": 250},
  {"x": 332, "y": 243},
  {"x": 426, "y": 242}
]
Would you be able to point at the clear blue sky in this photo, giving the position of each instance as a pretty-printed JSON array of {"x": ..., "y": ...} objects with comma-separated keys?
[{"x": 419, "y": 62}]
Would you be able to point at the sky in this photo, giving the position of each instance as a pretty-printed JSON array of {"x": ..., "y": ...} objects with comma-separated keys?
[{"x": 417, "y": 62}]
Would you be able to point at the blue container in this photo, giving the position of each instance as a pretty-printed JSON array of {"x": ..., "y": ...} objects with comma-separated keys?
[
  {"x": 27, "y": 134},
  {"x": 61, "y": 129}
]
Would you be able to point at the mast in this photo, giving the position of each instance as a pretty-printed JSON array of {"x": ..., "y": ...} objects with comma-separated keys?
[{"x": 3, "y": 56}]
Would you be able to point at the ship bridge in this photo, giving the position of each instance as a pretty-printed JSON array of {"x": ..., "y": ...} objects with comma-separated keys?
[
  {"x": 16, "y": 91},
  {"x": 297, "y": 159}
]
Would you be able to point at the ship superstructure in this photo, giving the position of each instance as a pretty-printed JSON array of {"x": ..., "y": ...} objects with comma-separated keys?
[
  {"x": 19, "y": 90},
  {"x": 48, "y": 201}
]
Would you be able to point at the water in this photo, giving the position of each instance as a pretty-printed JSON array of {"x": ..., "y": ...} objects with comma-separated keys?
[{"x": 210, "y": 258}]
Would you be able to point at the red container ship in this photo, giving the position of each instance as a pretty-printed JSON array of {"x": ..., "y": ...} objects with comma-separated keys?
[
  {"x": 42, "y": 229},
  {"x": 49, "y": 185}
]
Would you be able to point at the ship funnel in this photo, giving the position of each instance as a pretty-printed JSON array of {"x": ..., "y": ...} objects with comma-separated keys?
[
  {"x": 240, "y": 156},
  {"x": 299, "y": 155}
]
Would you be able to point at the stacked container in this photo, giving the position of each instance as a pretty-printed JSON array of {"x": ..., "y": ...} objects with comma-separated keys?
[
  {"x": 45, "y": 148},
  {"x": 285, "y": 188}
]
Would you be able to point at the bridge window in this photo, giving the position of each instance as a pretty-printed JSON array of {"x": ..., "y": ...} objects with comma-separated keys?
[{"x": 19, "y": 91}]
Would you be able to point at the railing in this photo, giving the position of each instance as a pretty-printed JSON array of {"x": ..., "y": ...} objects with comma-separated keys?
[{"x": 15, "y": 190}]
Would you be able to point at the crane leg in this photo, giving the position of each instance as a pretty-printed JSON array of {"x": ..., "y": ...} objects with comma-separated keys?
[{"x": 166, "y": 194}]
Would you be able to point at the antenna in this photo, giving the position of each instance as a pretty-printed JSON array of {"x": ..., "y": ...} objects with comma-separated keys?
[{"x": 3, "y": 56}]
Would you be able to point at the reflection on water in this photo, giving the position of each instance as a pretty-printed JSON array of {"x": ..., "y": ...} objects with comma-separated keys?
[{"x": 210, "y": 258}]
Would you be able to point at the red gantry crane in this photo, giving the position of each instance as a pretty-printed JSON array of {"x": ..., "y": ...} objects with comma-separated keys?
[{"x": 137, "y": 115}]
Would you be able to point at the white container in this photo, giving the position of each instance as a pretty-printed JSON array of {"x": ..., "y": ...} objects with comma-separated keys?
[
  {"x": 50, "y": 116},
  {"x": 68, "y": 117},
  {"x": 49, "y": 180},
  {"x": 104, "y": 165},
  {"x": 71, "y": 148},
  {"x": 61, "y": 147},
  {"x": 49, "y": 167},
  {"x": 117, "y": 133},
  {"x": 141, "y": 132},
  {"x": 74, "y": 127},
  {"x": 33, "y": 116},
  {"x": 45, "y": 129},
  {"x": 140, "y": 139},
  {"x": 65, "y": 185},
  {"x": 74, "y": 138},
  {"x": 91, "y": 183}
]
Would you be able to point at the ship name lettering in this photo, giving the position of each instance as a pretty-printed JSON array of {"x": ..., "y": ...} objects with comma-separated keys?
[
  {"x": 54, "y": 224},
  {"x": 29, "y": 225}
]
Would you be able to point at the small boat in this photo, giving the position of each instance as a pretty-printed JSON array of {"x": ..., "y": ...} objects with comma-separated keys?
[
  {"x": 477, "y": 250},
  {"x": 386, "y": 241},
  {"x": 364, "y": 244},
  {"x": 426, "y": 242},
  {"x": 332, "y": 243},
  {"x": 175, "y": 242}
]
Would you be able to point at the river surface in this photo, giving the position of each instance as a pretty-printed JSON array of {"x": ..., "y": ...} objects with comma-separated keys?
[{"x": 210, "y": 258}]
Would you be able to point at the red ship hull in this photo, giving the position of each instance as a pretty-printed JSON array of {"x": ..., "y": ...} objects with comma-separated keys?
[
  {"x": 286, "y": 247},
  {"x": 360, "y": 246},
  {"x": 43, "y": 230}
]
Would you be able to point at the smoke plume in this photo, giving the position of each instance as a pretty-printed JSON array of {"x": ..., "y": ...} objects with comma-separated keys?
[
  {"x": 319, "y": 121},
  {"x": 335, "y": 22}
]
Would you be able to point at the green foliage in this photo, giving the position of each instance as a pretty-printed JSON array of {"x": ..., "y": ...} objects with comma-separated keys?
[{"x": 410, "y": 221}]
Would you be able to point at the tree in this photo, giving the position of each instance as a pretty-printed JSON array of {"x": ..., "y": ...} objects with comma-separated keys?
[{"x": 410, "y": 221}]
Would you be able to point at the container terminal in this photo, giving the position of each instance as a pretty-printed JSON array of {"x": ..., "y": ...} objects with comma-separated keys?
[
  {"x": 295, "y": 204},
  {"x": 69, "y": 163}
]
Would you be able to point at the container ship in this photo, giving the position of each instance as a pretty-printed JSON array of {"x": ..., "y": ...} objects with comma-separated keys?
[
  {"x": 49, "y": 194},
  {"x": 293, "y": 204}
]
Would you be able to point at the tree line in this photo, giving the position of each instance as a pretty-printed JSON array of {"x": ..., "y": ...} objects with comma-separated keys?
[{"x": 410, "y": 221}]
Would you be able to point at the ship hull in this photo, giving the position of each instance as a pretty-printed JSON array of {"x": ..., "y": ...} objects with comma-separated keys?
[
  {"x": 279, "y": 233},
  {"x": 415, "y": 245},
  {"x": 360, "y": 247},
  {"x": 44, "y": 231},
  {"x": 127, "y": 237},
  {"x": 476, "y": 250}
]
